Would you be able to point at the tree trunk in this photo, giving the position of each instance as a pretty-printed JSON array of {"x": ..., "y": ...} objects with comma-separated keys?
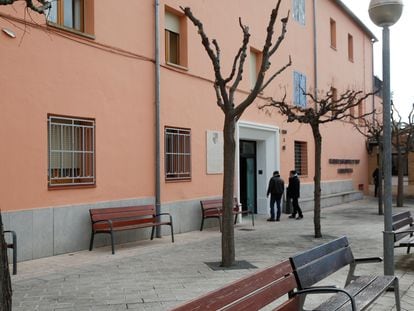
[
  {"x": 5, "y": 287},
  {"x": 227, "y": 236},
  {"x": 380, "y": 182},
  {"x": 317, "y": 180},
  {"x": 400, "y": 189}
]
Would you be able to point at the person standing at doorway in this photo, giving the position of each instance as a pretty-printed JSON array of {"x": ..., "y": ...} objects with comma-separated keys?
[
  {"x": 276, "y": 189},
  {"x": 293, "y": 192},
  {"x": 375, "y": 177}
]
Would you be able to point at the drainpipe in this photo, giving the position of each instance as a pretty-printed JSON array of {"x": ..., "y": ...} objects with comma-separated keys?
[
  {"x": 373, "y": 78},
  {"x": 315, "y": 51},
  {"x": 157, "y": 118}
]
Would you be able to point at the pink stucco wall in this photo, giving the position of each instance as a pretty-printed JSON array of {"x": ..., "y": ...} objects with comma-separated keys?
[{"x": 111, "y": 78}]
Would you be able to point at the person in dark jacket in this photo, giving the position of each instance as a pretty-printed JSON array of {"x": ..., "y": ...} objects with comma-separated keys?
[
  {"x": 276, "y": 189},
  {"x": 375, "y": 177},
  {"x": 293, "y": 192}
]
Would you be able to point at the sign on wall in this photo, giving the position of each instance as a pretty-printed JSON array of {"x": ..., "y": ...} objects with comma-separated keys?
[{"x": 214, "y": 152}]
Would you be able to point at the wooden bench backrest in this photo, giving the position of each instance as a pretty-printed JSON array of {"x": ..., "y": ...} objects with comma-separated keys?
[
  {"x": 251, "y": 292},
  {"x": 401, "y": 221},
  {"x": 216, "y": 203},
  {"x": 122, "y": 212},
  {"x": 315, "y": 264}
]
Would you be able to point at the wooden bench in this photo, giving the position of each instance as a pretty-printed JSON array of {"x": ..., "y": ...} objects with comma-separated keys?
[
  {"x": 403, "y": 229},
  {"x": 214, "y": 209},
  {"x": 108, "y": 220},
  {"x": 313, "y": 265},
  {"x": 13, "y": 246},
  {"x": 252, "y": 292}
]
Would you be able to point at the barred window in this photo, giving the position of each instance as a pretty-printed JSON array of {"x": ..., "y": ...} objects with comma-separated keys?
[
  {"x": 301, "y": 157},
  {"x": 71, "y": 144},
  {"x": 177, "y": 154}
]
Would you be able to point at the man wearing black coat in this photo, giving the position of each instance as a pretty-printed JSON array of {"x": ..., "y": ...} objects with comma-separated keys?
[
  {"x": 276, "y": 189},
  {"x": 293, "y": 192}
]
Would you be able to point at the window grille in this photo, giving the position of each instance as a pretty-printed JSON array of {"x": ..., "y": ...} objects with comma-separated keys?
[
  {"x": 177, "y": 154},
  {"x": 301, "y": 157},
  {"x": 71, "y": 151}
]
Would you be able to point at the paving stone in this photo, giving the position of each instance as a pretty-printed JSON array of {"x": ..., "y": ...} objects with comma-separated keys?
[{"x": 157, "y": 275}]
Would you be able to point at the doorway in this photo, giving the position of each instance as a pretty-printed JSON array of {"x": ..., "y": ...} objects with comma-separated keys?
[{"x": 248, "y": 182}]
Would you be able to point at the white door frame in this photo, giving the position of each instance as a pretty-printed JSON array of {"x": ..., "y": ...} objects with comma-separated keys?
[{"x": 268, "y": 157}]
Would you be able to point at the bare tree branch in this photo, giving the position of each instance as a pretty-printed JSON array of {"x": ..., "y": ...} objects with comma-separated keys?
[
  {"x": 41, "y": 9},
  {"x": 242, "y": 59},
  {"x": 267, "y": 52},
  {"x": 276, "y": 74}
]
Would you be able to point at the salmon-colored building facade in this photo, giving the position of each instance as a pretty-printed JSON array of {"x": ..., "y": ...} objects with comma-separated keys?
[{"x": 79, "y": 98}]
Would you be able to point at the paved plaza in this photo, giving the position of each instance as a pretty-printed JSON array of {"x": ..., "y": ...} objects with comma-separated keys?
[{"x": 158, "y": 274}]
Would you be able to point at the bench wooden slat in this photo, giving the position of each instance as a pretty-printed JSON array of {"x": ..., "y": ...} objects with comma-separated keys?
[
  {"x": 406, "y": 222},
  {"x": 245, "y": 287},
  {"x": 148, "y": 208},
  {"x": 305, "y": 257},
  {"x": 265, "y": 296},
  {"x": 339, "y": 300},
  {"x": 127, "y": 226},
  {"x": 403, "y": 228},
  {"x": 370, "y": 292},
  {"x": 400, "y": 216},
  {"x": 126, "y": 215}
]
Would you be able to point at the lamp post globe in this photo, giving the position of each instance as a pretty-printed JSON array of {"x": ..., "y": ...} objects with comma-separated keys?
[{"x": 385, "y": 12}]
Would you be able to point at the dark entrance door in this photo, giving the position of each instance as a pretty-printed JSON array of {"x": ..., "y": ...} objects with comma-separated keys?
[{"x": 248, "y": 192}]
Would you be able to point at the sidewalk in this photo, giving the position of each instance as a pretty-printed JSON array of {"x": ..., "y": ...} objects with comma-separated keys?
[{"x": 157, "y": 275}]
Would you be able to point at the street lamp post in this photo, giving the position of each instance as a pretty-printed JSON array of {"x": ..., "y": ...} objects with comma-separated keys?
[{"x": 385, "y": 13}]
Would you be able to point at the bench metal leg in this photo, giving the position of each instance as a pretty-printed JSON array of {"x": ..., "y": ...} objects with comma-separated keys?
[
  {"x": 152, "y": 232},
  {"x": 112, "y": 243},
  {"x": 13, "y": 246},
  {"x": 172, "y": 232},
  {"x": 91, "y": 242},
  {"x": 408, "y": 248},
  {"x": 202, "y": 223},
  {"x": 397, "y": 294}
]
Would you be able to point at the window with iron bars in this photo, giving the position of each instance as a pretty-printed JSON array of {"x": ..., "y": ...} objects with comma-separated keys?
[
  {"x": 301, "y": 157},
  {"x": 177, "y": 154},
  {"x": 71, "y": 144}
]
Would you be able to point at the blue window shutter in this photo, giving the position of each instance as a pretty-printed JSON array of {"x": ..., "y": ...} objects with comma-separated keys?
[
  {"x": 302, "y": 91},
  {"x": 296, "y": 88},
  {"x": 299, "y": 11}
]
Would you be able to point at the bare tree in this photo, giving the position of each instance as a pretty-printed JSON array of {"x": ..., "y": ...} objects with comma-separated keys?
[
  {"x": 39, "y": 6},
  {"x": 403, "y": 133},
  {"x": 225, "y": 90},
  {"x": 372, "y": 129},
  {"x": 5, "y": 287},
  {"x": 327, "y": 109}
]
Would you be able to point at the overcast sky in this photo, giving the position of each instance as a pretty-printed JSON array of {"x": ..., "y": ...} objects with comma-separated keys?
[{"x": 401, "y": 49}]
